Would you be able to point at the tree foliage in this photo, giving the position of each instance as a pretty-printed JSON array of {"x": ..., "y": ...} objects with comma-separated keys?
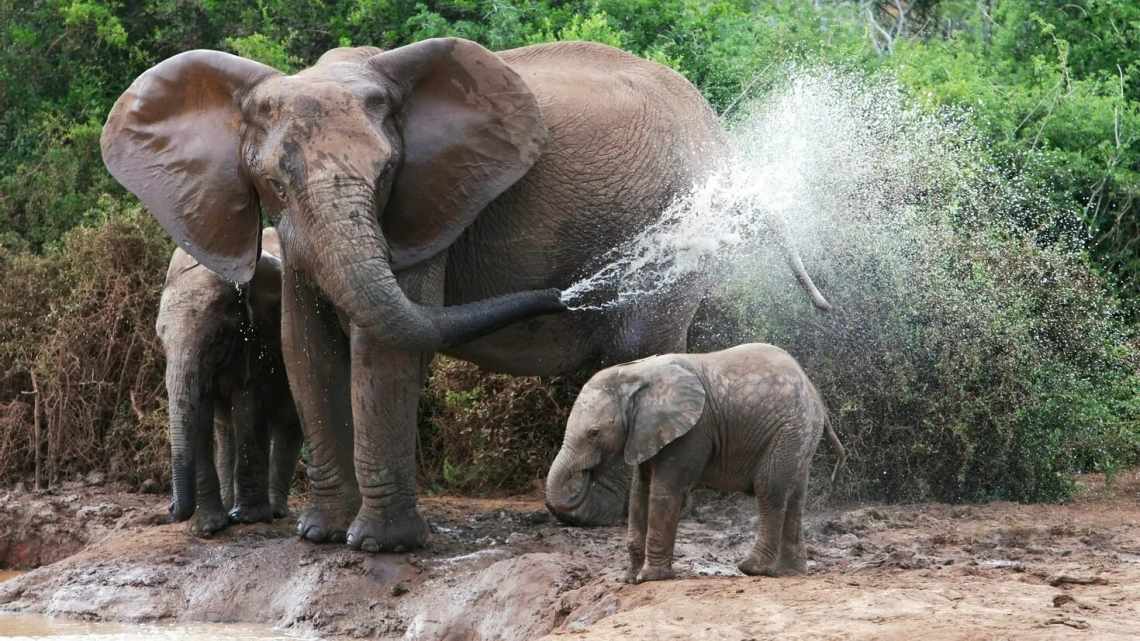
[{"x": 1056, "y": 86}]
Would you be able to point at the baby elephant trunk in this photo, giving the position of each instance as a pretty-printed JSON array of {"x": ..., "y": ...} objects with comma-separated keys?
[{"x": 587, "y": 496}]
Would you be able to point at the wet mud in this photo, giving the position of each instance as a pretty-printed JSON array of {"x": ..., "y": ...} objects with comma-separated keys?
[{"x": 504, "y": 569}]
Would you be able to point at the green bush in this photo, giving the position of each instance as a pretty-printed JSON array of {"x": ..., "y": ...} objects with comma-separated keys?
[
  {"x": 486, "y": 433},
  {"x": 1054, "y": 85}
]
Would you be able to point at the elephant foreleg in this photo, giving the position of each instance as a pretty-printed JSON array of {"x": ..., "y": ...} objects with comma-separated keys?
[
  {"x": 316, "y": 360},
  {"x": 210, "y": 516},
  {"x": 386, "y": 388},
  {"x": 638, "y": 515},
  {"x": 224, "y": 449},
  {"x": 385, "y": 396},
  {"x": 666, "y": 493}
]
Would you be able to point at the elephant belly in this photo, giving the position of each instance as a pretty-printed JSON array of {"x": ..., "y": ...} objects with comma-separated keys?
[
  {"x": 542, "y": 346},
  {"x": 727, "y": 481}
]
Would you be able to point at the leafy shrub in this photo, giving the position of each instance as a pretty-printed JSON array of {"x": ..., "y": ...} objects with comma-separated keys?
[{"x": 487, "y": 433}]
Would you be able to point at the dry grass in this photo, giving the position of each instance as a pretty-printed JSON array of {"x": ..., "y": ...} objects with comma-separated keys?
[{"x": 81, "y": 358}]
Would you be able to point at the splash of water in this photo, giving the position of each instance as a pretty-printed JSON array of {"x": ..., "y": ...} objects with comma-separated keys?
[{"x": 827, "y": 149}]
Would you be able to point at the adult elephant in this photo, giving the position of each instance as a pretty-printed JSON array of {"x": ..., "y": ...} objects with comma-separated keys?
[{"x": 437, "y": 194}]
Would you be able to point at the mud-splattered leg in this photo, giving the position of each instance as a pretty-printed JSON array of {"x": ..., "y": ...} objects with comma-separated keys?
[
  {"x": 638, "y": 515},
  {"x": 773, "y": 484},
  {"x": 791, "y": 559}
]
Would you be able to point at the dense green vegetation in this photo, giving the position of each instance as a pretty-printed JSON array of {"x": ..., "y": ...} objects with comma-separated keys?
[
  {"x": 1052, "y": 88},
  {"x": 1055, "y": 86}
]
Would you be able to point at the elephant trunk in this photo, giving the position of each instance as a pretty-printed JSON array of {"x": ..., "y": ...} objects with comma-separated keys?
[
  {"x": 566, "y": 485},
  {"x": 596, "y": 495},
  {"x": 780, "y": 227},
  {"x": 190, "y": 422},
  {"x": 351, "y": 264}
]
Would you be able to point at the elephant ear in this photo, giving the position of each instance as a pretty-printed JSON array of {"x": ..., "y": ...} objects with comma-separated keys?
[
  {"x": 471, "y": 128},
  {"x": 173, "y": 140},
  {"x": 667, "y": 402}
]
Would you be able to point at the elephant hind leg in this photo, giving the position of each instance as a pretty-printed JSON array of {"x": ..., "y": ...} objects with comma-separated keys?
[
  {"x": 792, "y": 558},
  {"x": 251, "y": 499},
  {"x": 284, "y": 449},
  {"x": 773, "y": 494}
]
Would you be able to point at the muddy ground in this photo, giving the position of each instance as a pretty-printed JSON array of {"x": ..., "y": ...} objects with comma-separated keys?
[{"x": 503, "y": 569}]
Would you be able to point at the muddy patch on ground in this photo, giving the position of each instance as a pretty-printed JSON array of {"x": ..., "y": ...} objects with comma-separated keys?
[
  {"x": 39, "y": 528},
  {"x": 504, "y": 569}
]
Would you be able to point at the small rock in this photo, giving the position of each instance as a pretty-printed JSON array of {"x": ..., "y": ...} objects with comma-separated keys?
[
  {"x": 399, "y": 589},
  {"x": 150, "y": 486},
  {"x": 104, "y": 511},
  {"x": 1063, "y": 579},
  {"x": 536, "y": 518},
  {"x": 95, "y": 478}
]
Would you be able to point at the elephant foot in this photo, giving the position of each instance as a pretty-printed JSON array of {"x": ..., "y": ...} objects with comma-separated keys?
[
  {"x": 207, "y": 522},
  {"x": 279, "y": 503},
  {"x": 650, "y": 573},
  {"x": 754, "y": 567},
  {"x": 322, "y": 526},
  {"x": 179, "y": 512},
  {"x": 251, "y": 513},
  {"x": 630, "y": 577},
  {"x": 280, "y": 510},
  {"x": 400, "y": 534}
]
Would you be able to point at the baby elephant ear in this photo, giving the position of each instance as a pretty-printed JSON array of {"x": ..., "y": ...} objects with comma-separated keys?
[{"x": 668, "y": 404}]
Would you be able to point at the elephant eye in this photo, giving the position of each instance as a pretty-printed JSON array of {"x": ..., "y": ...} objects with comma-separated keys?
[
  {"x": 277, "y": 186},
  {"x": 593, "y": 432}
]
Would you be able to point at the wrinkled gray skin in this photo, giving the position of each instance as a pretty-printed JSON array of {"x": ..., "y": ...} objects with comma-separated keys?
[
  {"x": 226, "y": 385},
  {"x": 744, "y": 419},
  {"x": 432, "y": 198}
]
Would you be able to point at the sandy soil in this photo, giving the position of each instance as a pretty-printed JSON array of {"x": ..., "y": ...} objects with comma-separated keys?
[{"x": 502, "y": 569}]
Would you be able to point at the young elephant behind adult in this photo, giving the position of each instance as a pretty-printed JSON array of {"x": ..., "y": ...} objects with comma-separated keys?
[
  {"x": 224, "y": 374},
  {"x": 743, "y": 419}
]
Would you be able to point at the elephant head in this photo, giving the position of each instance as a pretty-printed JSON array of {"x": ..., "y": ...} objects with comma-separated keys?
[
  {"x": 623, "y": 417},
  {"x": 377, "y": 160},
  {"x": 200, "y": 323}
]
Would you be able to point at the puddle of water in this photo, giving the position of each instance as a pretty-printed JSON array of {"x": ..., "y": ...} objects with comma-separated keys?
[{"x": 14, "y": 627}]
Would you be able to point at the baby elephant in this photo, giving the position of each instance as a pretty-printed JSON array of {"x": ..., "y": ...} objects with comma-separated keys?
[
  {"x": 225, "y": 374},
  {"x": 743, "y": 419}
]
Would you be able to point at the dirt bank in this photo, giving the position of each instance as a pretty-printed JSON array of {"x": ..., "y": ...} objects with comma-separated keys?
[{"x": 502, "y": 569}]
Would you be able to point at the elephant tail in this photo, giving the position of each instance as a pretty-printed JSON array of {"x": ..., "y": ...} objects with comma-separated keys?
[
  {"x": 796, "y": 263},
  {"x": 840, "y": 451}
]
